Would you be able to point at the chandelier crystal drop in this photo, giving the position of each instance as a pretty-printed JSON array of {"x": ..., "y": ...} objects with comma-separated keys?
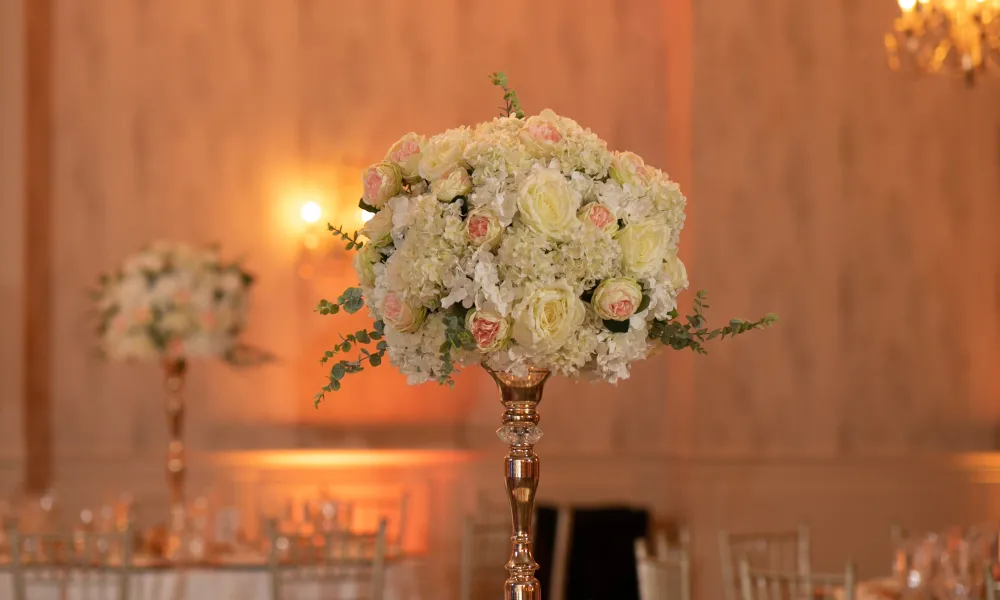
[{"x": 946, "y": 36}]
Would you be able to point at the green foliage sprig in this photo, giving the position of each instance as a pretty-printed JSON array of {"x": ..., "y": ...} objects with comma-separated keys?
[
  {"x": 351, "y": 238},
  {"x": 351, "y": 301},
  {"x": 512, "y": 104},
  {"x": 456, "y": 337},
  {"x": 342, "y": 368},
  {"x": 692, "y": 333}
]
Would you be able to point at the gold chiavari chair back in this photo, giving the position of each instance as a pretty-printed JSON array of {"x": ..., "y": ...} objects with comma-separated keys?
[
  {"x": 761, "y": 584},
  {"x": 664, "y": 572},
  {"x": 97, "y": 564},
  {"x": 992, "y": 591},
  {"x": 779, "y": 552},
  {"x": 340, "y": 563},
  {"x": 485, "y": 549}
]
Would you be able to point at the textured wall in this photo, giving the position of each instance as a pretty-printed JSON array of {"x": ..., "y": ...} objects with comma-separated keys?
[
  {"x": 11, "y": 230},
  {"x": 191, "y": 119},
  {"x": 860, "y": 205},
  {"x": 855, "y": 203}
]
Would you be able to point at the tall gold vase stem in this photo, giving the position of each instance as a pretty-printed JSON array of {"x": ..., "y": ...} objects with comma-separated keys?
[
  {"x": 173, "y": 383},
  {"x": 520, "y": 397}
]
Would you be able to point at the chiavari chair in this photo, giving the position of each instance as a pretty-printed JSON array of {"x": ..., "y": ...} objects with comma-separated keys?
[
  {"x": 779, "y": 552},
  {"x": 343, "y": 564},
  {"x": 94, "y": 564},
  {"x": 664, "y": 572},
  {"x": 761, "y": 584}
]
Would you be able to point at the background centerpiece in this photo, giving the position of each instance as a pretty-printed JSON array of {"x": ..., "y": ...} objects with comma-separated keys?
[
  {"x": 524, "y": 245},
  {"x": 170, "y": 303}
]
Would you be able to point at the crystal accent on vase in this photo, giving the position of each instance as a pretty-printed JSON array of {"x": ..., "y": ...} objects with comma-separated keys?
[{"x": 520, "y": 396}]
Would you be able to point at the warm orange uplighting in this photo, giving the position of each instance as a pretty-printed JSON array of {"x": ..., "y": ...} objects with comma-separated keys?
[
  {"x": 907, "y": 5},
  {"x": 311, "y": 212}
]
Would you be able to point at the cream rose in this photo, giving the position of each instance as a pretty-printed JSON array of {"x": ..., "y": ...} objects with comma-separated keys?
[
  {"x": 541, "y": 134},
  {"x": 405, "y": 154},
  {"x": 617, "y": 299},
  {"x": 364, "y": 263},
  {"x": 490, "y": 330},
  {"x": 381, "y": 182},
  {"x": 675, "y": 272},
  {"x": 403, "y": 317},
  {"x": 644, "y": 246},
  {"x": 378, "y": 229},
  {"x": 599, "y": 215},
  {"x": 627, "y": 167},
  {"x": 440, "y": 155},
  {"x": 483, "y": 228},
  {"x": 456, "y": 183},
  {"x": 545, "y": 320},
  {"x": 548, "y": 204}
]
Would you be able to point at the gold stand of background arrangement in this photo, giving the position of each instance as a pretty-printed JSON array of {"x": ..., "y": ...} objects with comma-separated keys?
[
  {"x": 520, "y": 397},
  {"x": 173, "y": 383}
]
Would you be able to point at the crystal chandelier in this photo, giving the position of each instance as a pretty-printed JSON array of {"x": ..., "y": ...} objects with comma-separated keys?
[{"x": 935, "y": 36}]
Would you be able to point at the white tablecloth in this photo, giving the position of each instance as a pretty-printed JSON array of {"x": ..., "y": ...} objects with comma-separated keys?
[{"x": 218, "y": 584}]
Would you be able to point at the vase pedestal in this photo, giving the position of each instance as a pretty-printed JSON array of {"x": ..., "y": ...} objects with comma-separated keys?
[{"x": 520, "y": 397}]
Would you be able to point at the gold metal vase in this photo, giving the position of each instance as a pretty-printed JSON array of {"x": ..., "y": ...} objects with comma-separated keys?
[
  {"x": 173, "y": 384},
  {"x": 520, "y": 397}
]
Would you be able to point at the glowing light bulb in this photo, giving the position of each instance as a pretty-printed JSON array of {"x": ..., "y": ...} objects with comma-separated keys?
[
  {"x": 311, "y": 212},
  {"x": 907, "y": 5},
  {"x": 365, "y": 215}
]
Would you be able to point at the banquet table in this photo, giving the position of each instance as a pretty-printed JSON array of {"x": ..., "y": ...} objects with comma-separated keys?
[{"x": 248, "y": 581}]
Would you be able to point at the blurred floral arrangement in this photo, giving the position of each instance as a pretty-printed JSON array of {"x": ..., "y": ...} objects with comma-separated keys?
[
  {"x": 173, "y": 301},
  {"x": 519, "y": 243}
]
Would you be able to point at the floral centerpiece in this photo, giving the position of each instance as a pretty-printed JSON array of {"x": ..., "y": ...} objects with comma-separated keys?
[
  {"x": 527, "y": 246},
  {"x": 170, "y": 302}
]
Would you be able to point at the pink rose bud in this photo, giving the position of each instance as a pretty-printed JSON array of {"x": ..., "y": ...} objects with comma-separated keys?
[
  {"x": 381, "y": 182},
  {"x": 489, "y": 329},
  {"x": 483, "y": 228},
  {"x": 617, "y": 299},
  {"x": 599, "y": 215}
]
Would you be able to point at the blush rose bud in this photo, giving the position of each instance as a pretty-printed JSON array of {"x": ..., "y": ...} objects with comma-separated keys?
[
  {"x": 490, "y": 330},
  {"x": 400, "y": 315},
  {"x": 599, "y": 215},
  {"x": 483, "y": 228},
  {"x": 405, "y": 154},
  {"x": 381, "y": 182},
  {"x": 617, "y": 299}
]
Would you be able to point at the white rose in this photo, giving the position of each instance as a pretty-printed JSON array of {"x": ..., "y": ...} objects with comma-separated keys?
[
  {"x": 548, "y": 204},
  {"x": 381, "y": 182},
  {"x": 378, "y": 229},
  {"x": 405, "y": 154},
  {"x": 599, "y": 215},
  {"x": 675, "y": 271},
  {"x": 644, "y": 246},
  {"x": 403, "y": 317},
  {"x": 627, "y": 167},
  {"x": 440, "y": 155},
  {"x": 545, "y": 320},
  {"x": 541, "y": 134},
  {"x": 490, "y": 330},
  {"x": 483, "y": 228},
  {"x": 456, "y": 183},
  {"x": 617, "y": 299},
  {"x": 364, "y": 264}
]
